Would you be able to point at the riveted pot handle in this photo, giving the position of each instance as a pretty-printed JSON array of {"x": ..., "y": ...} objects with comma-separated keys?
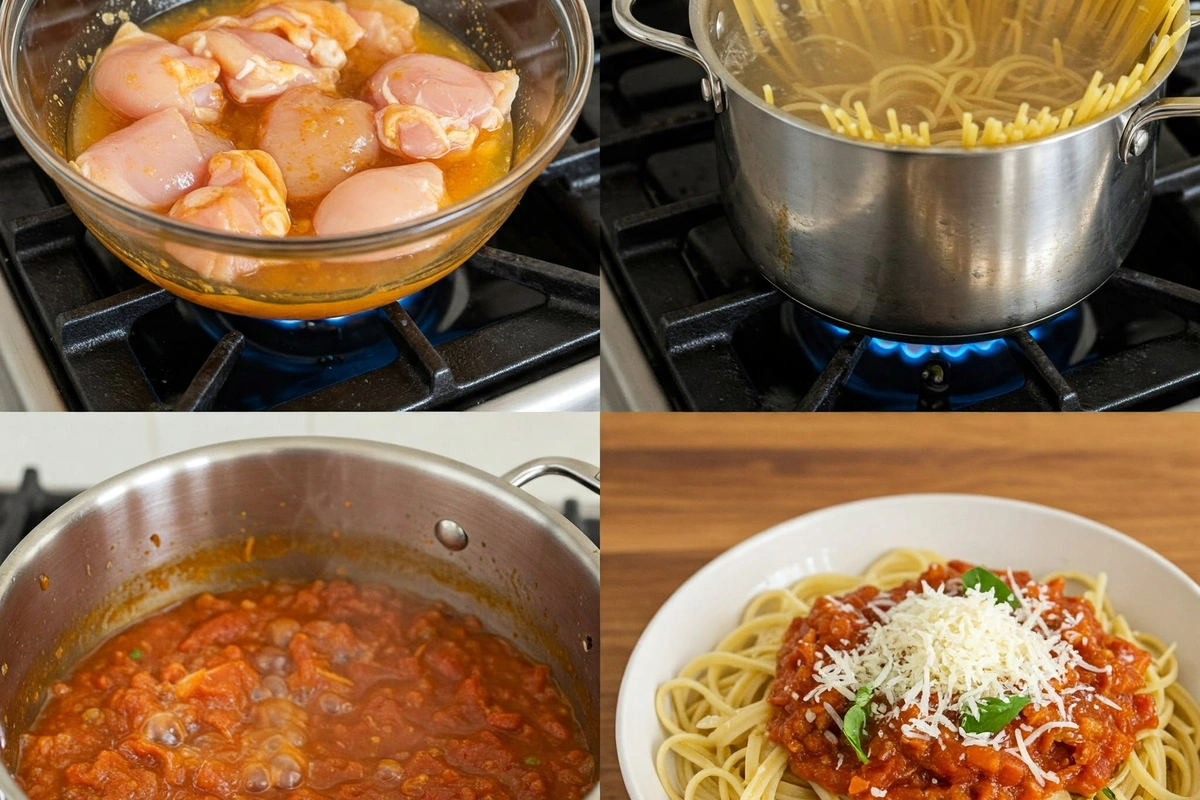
[
  {"x": 579, "y": 471},
  {"x": 672, "y": 43},
  {"x": 1136, "y": 136}
]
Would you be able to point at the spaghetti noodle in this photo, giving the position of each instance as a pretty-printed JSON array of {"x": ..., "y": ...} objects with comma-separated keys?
[
  {"x": 952, "y": 72},
  {"x": 722, "y": 726}
]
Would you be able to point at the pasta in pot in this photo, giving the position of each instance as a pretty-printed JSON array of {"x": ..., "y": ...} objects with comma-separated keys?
[{"x": 951, "y": 72}]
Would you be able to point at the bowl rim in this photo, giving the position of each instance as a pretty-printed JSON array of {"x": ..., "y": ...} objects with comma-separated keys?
[
  {"x": 579, "y": 54},
  {"x": 699, "y": 13},
  {"x": 629, "y": 708}
]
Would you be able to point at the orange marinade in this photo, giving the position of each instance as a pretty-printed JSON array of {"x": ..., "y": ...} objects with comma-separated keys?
[
  {"x": 1084, "y": 760},
  {"x": 465, "y": 173}
]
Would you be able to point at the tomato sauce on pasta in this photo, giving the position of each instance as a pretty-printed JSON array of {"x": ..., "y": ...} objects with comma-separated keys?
[{"x": 1082, "y": 760}]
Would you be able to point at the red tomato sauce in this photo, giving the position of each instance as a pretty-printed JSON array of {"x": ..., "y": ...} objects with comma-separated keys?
[
  {"x": 288, "y": 692},
  {"x": 907, "y": 768}
]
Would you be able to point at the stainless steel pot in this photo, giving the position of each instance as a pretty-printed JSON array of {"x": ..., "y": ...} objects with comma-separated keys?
[
  {"x": 924, "y": 245},
  {"x": 300, "y": 508}
]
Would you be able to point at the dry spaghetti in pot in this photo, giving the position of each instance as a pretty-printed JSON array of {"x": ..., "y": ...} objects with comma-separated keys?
[{"x": 952, "y": 72}]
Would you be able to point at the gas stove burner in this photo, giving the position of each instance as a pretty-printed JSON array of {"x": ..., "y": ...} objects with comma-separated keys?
[
  {"x": 283, "y": 360},
  {"x": 954, "y": 353},
  {"x": 903, "y": 376},
  {"x": 338, "y": 338},
  {"x": 920, "y": 352}
]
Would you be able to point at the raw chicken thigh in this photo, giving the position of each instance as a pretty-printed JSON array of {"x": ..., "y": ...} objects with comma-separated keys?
[
  {"x": 154, "y": 161},
  {"x": 381, "y": 198},
  {"x": 257, "y": 66},
  {"x": 246, "y": 195},
  {"x": 431, "y": 105},
  {"x": 140, "y": 73},
  {"x": 389, "y": 25},
  {"x": 323, "y": 31},
  {"x": 318, "y": 140},
  {"x": 350, "y": 154}
]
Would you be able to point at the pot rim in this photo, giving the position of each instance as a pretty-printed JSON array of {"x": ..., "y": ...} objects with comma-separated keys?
[
  {"x": 112, "y": 489},
  {"x": 698, "y": 12},
  {"x": 578, "y": 41}
]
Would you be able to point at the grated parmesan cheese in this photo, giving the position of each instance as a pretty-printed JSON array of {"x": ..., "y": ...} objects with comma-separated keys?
[
  {"x": 943, "y": 654},
  {"x": 1049, "y": 726},
  {"x": 832, "y": 712},
  {"x": 1023, "y": 753}
]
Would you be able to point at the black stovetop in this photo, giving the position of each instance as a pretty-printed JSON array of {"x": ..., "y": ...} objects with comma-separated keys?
[
  {"x": 719, "y": 337},
  {"x": 525, "y": 307},
  {"x": 23, "y": 508}
]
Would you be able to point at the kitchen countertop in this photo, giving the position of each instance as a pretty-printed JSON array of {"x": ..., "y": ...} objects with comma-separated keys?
[{"x": 679, "y": 489}]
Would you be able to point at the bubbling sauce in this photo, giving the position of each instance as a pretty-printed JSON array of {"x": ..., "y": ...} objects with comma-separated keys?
[{"x": 319, "y": 691}]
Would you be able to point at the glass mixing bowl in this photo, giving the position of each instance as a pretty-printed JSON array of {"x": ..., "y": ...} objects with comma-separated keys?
[{"x": 46, "y": 47}]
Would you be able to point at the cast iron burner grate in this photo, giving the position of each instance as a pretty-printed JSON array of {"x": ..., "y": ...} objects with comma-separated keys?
[
  {"x": 719, "y": 337},
  {"x": 23, "y": 509},
  {"x": 112, "y": 341}
]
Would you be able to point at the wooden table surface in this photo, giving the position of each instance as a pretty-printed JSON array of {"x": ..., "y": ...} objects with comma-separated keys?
[{"x": 692, "y": 485}]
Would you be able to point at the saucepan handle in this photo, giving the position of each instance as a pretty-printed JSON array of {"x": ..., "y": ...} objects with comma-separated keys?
[
  {"x": 672, "y": 43},
  {"x": 1136, "y": 136},
  {"x": 579, "y": 471}
]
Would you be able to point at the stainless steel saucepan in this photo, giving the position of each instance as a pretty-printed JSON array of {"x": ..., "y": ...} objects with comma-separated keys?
[
  {"x": 924, "y": 245},
  {"x": 301, "y": 508}
]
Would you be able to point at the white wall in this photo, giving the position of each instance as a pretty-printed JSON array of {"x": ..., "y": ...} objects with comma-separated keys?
[{"x": 74, "y": 451}]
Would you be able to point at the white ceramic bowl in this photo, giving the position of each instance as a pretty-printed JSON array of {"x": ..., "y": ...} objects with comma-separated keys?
[{"x": 1154, "y": 594}]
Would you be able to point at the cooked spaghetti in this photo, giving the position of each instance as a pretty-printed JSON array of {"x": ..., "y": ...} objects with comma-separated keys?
[
  {"x": 931, "y": 680},
  {"x": 951, "y": 72}
]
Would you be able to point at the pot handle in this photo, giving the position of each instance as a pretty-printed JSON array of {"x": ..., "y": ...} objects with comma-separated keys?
[
  {"x": 710, "y": 87},
  {"x": 1136, "y": 136},
  {"x": 579, "y": 471}
]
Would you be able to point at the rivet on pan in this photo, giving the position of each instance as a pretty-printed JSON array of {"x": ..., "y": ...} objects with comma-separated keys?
[
  {"x": 587, "y": 644},
  {"x": 1141, "y": 140},
  {"x": 450, "y": 534}
]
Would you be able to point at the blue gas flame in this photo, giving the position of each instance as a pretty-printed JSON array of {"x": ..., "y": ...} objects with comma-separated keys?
[
  {"x": 407, "y": 303},
  {"x": 954, "y": 353}
]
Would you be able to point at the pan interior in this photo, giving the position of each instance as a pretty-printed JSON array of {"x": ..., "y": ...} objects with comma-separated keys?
[{"x": 161, "y": 535}]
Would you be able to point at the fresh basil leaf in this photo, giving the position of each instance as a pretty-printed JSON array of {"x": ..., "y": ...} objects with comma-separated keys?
[
  {"x": 982, "y": 580},
  {"x": 863, "y": 696},
  {"x": 853, "y": 726},
  {"x": 993, "y": 714},
  {"x": 1107, "y": 792},
  {"x": 135, "y": 654}
]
